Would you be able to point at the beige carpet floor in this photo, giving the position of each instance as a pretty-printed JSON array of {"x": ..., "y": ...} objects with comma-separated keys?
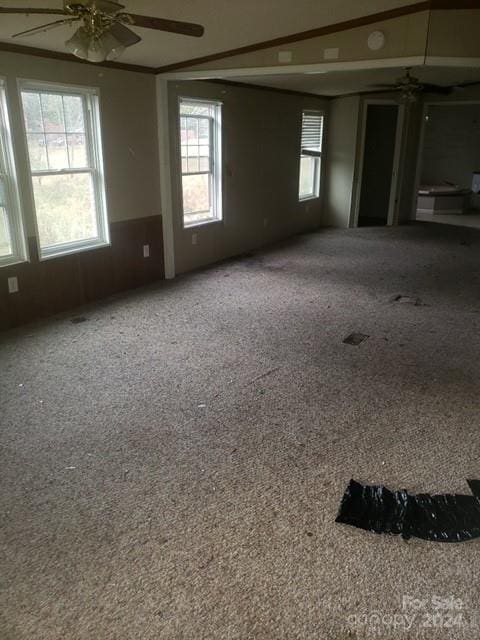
[{"x": 171, "y": 468}]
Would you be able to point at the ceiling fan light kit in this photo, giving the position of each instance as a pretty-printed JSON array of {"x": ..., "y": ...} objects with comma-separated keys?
[
  {"x": 94, "y": 49},
  {"x": 103, "y": 34}
]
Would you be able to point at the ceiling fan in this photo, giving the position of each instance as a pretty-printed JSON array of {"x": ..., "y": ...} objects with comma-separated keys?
[
  {"x": 103, "y": 33},
  {"x": 410, "y": 87}
]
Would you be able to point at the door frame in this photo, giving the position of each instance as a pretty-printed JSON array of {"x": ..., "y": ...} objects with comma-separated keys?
[{"x": 394, "y": 201}]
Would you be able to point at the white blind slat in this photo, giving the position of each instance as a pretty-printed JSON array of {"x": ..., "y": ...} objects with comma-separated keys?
[{"x": 312, "y": 132}]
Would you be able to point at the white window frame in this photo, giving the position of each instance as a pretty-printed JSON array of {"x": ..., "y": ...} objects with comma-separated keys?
[
  {"x": 91, "y": 102},
  {"x": 215, "y": 171},
  {"x": 316, "y": 153},
  {"x": 8, "y": 173}
]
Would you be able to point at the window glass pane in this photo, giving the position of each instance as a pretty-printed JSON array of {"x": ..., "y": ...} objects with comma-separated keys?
[
  {"x": 65, "y": 207},
  {"x": 204, "y": 151},
  {"x": 52, "y": 112},
  {"x": 204, "y": 158},
  {"x": 196, "y": 156},
  {"x": 197, "y": 109},
  {"x": 33, "y": 112},
  {"x": 307, "y": 176},
  {"x": 57, "y": 150},
  {"x": 204, "y": 164},
  {"x": 5, "y": 241},
  {"x": 192, "y": 130},
  {"x": 77, "y": 150},
  {"x": 37, "y": 151},
  {"x": 64, "y": 143},
  {"x": 196, "y": 194},
  {"x": 193, "y": 165},
  {"x": 204, "y": 131},
  {"x": 183, "y": 130},
  {"x": 74, "y": 116}
]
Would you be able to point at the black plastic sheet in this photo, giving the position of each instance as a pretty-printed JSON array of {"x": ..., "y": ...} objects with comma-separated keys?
[{"x": 440, "y": 518}]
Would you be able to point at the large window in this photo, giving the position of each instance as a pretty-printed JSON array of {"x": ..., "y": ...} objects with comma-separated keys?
[
  {"x": 200, "y": 143},
  {"x": 12, "y": 244},
  {"x": 310, "y": 155},
  {"x": 63, "y": 137}
]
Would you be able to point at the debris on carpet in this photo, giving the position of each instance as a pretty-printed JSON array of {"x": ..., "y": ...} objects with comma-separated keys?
[
  {"x": 398, "y": 297},
  {"x": 355, "y": 339},
  {"x": 439, "y": 518}
]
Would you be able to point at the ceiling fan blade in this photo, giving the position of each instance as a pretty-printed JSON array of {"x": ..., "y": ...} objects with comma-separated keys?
[
  {"x": 466, "y": 85},
  {"x": 436, "y": 88},
  {"x": 124, "y": 35},
  {"x": 106, "y": 6},
  {"x": 44, "y": 27},
  {"x": 382, "y": 86},
  {"x": 392, "y": 90},
  {"x": 29, "y": 11},
  {"x": 163, "y": 24}
]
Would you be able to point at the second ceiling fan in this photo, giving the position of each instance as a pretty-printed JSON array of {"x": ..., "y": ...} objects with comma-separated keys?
[
  {"x": 410, "y": 87},
  {"x": 104, "y": 27}
]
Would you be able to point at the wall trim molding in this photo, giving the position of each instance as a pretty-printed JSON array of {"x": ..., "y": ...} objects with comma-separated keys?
[
  {"x": 318, "y": 67},
  {"x": 60, "y": 55},
  {"x": 445, "y": 61},
  {"x": 262, "y": 87}
]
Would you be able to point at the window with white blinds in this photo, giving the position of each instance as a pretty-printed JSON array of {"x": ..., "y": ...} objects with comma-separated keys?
[{"x": 310, "y": 155}]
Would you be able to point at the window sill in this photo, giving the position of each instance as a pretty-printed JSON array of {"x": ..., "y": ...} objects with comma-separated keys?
[
  {"x": 307, "y": 198},
  {"x": 11, "y": 262},
  {"x": 202, "y": 223},
  {"x": 67, "y": 250}
]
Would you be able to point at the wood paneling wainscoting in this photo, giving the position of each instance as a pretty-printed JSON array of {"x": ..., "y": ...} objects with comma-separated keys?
[{"x": 59, "y": 284}]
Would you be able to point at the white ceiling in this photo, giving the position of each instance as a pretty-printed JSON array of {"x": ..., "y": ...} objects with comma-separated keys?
[
  {"x": 228, "y": 24},
  {"x": 335, "y": 83}
]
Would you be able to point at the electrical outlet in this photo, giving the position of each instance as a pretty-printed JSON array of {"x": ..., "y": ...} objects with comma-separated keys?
[
  {"x": 194, "y": 238},
  {"x": 146, "y": 250},
  {"x": 13, "y": 285}
]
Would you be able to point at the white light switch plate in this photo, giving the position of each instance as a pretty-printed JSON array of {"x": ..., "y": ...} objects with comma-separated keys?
[
  {"x": 13, "y": 285},
  {"x": 146, "y": 250}
]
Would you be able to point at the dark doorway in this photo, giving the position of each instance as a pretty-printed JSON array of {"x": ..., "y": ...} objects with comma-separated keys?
[{"x": 378, "y": 161}]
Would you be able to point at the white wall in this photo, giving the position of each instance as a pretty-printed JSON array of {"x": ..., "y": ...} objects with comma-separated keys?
[
  {"x": 261, "y": 133},
  {"x": 452, "y": 144},
  {"x": 129, "y": 130},
  {"x": 341, "y": 155}
]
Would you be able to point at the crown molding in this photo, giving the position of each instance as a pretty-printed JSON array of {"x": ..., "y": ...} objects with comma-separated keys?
[{"x": 59, "y": 55}]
